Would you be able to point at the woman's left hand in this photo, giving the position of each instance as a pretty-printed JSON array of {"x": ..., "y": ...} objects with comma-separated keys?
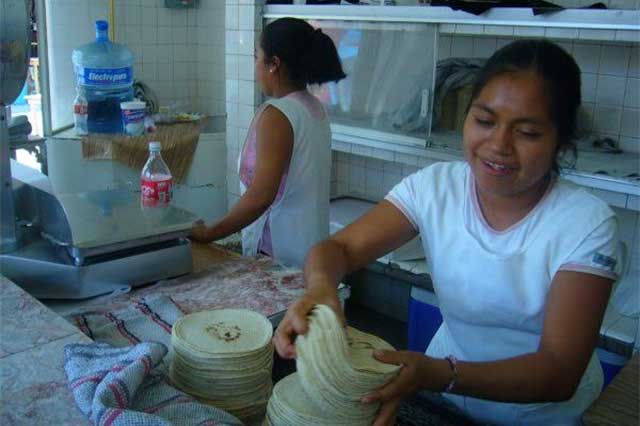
[
  {"x": 200, "y": 232},
  {"x": 408, "y": 381}
]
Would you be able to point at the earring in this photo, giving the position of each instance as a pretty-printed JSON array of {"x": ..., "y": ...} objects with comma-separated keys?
[{"x": 271, "y": 70}]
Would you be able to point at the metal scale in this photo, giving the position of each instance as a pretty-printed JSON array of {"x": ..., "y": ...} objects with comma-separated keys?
[{"x": 71, "y": 245}]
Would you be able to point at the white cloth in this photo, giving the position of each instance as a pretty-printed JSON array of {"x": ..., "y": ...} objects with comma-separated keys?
[
  {"x": 300, "y": 218},
  {"x": 492, "y": 286}
]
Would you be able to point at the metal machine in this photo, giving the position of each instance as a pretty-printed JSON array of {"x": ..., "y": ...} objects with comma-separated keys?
[{"x": 59, "y": 243}]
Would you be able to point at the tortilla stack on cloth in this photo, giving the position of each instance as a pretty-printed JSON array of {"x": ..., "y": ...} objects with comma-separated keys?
[{"x": 224, "y": 358}]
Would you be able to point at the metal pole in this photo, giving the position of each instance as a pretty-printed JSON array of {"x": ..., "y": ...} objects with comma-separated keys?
[{"x": 7, "y": 219}]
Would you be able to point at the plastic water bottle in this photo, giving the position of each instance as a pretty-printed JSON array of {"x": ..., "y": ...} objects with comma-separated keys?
[
  {"x": 80, "y": 111},
  {"x": 105, "y": 71},
  {"x": 156, "y": 183}
]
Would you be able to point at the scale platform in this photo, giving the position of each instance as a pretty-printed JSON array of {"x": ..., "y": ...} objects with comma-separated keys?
[
  {"x": 82, "y": 244},
  {"x": 48, "y": 272}
]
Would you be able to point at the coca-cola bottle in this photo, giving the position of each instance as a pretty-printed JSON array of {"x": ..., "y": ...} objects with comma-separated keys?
[
  {"x": 155, "y": 180},
  {"x": 80, "y": 112}
]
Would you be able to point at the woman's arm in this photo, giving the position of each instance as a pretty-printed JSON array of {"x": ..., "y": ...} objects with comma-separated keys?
[
  {"x": 573, "y": 315},
  {"x": 379, "y": 231},
  {"x": 274, "y": 147}
]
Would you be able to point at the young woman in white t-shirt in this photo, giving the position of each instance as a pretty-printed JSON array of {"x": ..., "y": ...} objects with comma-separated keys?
[
  {"x": 522, "y": 263},
  {"x": 285, "y": 162}
]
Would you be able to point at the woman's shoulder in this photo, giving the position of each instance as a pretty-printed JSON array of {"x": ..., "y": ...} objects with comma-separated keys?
[
  {"x": 444, "y": 170},
  {"x": 300, "y": 105},
  {"x": 269, "y": 117},
  {"x": 570, "y": 193},
  {"x": 444, "y": 176},
  {"x": 577, "y": 206},
  {"x": 437, "y": 181}
]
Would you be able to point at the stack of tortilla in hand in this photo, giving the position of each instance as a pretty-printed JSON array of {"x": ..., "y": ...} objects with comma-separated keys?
[
  {"x": 336, "y": 369},
  {"x": 224, "y": 358}
]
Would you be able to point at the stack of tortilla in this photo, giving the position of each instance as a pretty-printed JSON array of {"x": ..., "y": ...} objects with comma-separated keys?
[
  {"x": 336, "y": 369},
  {"x": 224, "y": 358}
]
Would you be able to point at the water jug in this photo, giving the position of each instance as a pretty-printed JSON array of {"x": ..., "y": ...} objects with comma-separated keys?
[{"x": 105, "y": 71}]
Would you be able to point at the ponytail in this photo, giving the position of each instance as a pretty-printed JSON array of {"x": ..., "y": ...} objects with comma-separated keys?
[
  {"x": 325, "y": 63},
  {"x": 310, "y": 55}
]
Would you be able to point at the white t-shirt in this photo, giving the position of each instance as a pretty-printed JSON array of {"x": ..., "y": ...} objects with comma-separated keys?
[{"x": 492, "y": 285}]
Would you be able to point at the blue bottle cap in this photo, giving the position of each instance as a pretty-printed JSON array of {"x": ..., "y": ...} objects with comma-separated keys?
[{"x": 102, "y": 25}]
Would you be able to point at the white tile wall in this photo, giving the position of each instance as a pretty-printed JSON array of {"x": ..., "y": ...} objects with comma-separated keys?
[
  {"x": 242, "y": 29},
  {"x": 70, "y": 24},
  {"x": 179, "y": 52}
]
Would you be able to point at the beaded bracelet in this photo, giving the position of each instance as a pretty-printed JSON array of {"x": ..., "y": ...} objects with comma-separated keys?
[{"x": 453, "y": 364}]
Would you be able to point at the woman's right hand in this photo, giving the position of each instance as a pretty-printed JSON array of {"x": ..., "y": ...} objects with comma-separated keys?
[
  {"x": 200, "y": 232},
  {"x": 295, "y": 320}
]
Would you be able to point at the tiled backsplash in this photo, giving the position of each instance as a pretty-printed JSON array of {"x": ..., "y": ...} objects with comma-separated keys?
[
  {"x": 367, "y": 177},
  {"x": 69, "y": 25},
  {"x": 242, "y": 28},
  {"x": 179, "y": 52}
]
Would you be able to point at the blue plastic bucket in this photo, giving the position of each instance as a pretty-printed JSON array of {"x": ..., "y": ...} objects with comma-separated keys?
[
  {"x": 424, "y": 321},
  {"x": 611, "y": 364}
]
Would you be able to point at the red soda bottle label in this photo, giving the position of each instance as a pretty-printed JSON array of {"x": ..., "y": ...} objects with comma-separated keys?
[
  {"x": 81, "y": 109},
  {"x": 156, "y": 193}
]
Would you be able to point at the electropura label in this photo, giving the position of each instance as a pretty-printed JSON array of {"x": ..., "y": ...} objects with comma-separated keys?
[
  {"x": 156, "y": 193},
  {"x": 101, "y": 77}
]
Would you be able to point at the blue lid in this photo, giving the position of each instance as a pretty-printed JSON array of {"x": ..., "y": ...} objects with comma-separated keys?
[{"x": 102, "y": 25}]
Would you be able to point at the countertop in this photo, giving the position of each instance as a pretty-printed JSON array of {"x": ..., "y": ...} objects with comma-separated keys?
[
  {"x": 33, "y": 386},
  {"x": 220, "y": 279}
]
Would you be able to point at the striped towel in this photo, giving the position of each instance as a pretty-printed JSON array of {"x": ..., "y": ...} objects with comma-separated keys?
[
  {"x": 120, "y": 386},
  {"x": 142, "y": 320}
]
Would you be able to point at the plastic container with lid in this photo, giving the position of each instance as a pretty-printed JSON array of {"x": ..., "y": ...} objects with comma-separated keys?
[
  {"x": 133, "y": 113},
  {"x": 105, "y": 71}
]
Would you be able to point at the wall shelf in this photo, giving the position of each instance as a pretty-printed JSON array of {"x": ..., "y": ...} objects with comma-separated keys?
[
  {"x": 583, "y": 24},
  {"x": 616, "y": 191}
]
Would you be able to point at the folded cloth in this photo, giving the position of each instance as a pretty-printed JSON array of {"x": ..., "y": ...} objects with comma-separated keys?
[
  {"x": 142, "y": 320},
  {"x": 119, "y": 386}
]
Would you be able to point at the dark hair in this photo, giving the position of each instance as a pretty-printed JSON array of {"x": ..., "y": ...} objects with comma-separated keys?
[
  {"x": 560, "y": 73},
  {"x": 309, "y": 54}
]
